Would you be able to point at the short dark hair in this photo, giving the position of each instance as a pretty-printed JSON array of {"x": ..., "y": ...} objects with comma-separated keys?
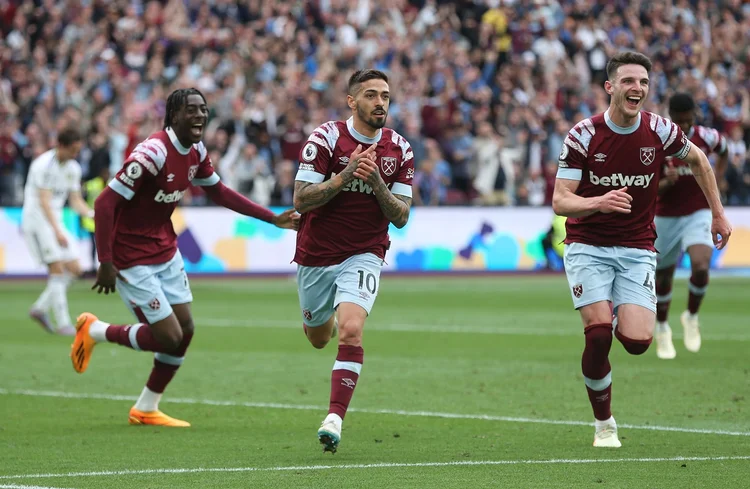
[
  {"x": 68, "y": 136},
  {"x": 176, "y": 101},
  {"x": 627, "y": 58},
  {"x": 361, "y": 76},
  {"x": 681, "y": 102}
]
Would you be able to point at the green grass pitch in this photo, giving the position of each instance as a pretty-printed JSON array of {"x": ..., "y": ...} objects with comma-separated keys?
[{"x": 467, "y": 383}]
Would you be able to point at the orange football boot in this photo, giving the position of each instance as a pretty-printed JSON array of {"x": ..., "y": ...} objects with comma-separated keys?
[
  {"x": 83, "y": 344},
  {"x": 155, "y": 418}
]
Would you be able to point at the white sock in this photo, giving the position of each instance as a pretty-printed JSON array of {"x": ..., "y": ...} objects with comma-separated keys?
[
  {"x": 98, "y": 331},
  {"x": 149, "y": 401},
  {"x": 662, "y": 327},
  {"x": 59, "y": 301},
  {"x": 42, "y": 303},
  {"x": 69, "y": 279},
  {"x": 606, "y": 422}
]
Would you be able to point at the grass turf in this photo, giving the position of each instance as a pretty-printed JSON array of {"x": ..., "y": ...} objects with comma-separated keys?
[{"x": 467, "y": 382}]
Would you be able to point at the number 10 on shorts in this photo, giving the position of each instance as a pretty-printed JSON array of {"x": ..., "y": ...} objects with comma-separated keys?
[{"x": 367, "y": 279}]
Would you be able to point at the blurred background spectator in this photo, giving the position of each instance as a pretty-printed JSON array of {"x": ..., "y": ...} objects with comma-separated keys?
[{"x": 484, "y": 90}]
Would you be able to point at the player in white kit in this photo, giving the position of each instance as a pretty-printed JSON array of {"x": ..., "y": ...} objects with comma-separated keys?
[{"x": 53, "y": 178}]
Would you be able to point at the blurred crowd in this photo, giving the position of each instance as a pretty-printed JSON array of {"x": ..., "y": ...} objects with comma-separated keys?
[{"x": 484, "y": 90}]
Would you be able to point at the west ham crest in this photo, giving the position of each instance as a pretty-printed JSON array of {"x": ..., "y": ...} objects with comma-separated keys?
[
  {"x": 307, "y": 314},
  {"x": 154, "y": 304},
  {"x": 578, "y": 290},
  {"x": 191, "y": 172},
  {"x": 648, "y": 155},
  {"x": 388, "y": 164}
]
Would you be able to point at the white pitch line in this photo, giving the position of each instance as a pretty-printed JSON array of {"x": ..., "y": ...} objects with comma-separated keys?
[
  {"x": 386, "y": 465},
  {"x": 15, "y": 486},
  {"x": 399, "y": 412}
]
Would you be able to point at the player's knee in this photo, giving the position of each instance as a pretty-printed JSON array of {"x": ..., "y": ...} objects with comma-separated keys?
[
  {"x": 56, "y": 268},
  {"x": 187, "y": 326},
  {"x": 350, "y": 332},
  {"x": 700, "y": 273},
  {"x": 599, "y": 336},
  {"x": 319, "y": 343},
  {"x": 172, "y": 339},
  {"x": 664, "y": 279},
  {"x": 74, "y": 268},
  {"x": 316, "y": 336},
  {"x": 632, "y": 346}
]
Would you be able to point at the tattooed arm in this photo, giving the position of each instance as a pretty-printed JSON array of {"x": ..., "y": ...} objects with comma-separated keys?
[
  {"x": 395, "y": 207},
  {"x": 309, "y": 196}
]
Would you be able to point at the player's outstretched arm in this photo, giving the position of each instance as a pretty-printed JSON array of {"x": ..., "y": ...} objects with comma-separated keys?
[
  {"x": 704, "y": 175},
  {"x": 566, "y": 203},
  {"x": 235, "y": 201},
  {"x": 105, "y": 208}
]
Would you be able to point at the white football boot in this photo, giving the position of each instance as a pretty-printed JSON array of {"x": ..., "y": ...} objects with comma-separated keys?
[
  {"x": 605, "y": 435},
  {"x": 329, "y": 433},
  {"x": 691, "y": 330},
  {"x": 664, "y": 346}
]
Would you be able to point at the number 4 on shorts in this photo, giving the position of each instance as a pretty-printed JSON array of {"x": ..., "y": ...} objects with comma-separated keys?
[
  {"x": 367, "y": 279},
  {"x": 648, "y": 283}
]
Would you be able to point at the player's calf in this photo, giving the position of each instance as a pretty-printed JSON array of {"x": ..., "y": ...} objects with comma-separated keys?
[{"x": 664, "y": 279}]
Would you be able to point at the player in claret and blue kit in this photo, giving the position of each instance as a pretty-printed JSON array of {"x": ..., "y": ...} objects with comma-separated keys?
[
  {"x": 683, "y": 223},
  {"x": 354, "y": 180},
  {"x": 138, "y": 251},
  {"x": 607, "y": 183}
]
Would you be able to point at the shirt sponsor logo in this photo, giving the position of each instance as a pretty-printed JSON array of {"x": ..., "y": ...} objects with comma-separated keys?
[
  {"x": 620, "y": 180},
  {"x": 170, "y": 198}
]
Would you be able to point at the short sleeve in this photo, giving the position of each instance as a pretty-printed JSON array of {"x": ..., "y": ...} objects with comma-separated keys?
[
  {"x": 405, "y": 176},
  {"x": 675, "y": 142},
  {"x": 42, "y": 177},
  {"x": 715, "y": 141},
  {"x": 315, "y": 156},
  {"x": 206, "y": 175},
  {"x": 572, "y": 158},
  {"x": 144, "y": 163}
]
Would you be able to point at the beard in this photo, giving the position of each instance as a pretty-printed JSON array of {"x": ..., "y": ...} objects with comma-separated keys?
[{"x": 371, "y": 120}]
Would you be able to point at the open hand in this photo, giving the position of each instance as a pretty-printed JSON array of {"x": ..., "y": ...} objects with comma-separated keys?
[
  {"x": 289, "y": 219},
  {"x": 106, "y": 277}
]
